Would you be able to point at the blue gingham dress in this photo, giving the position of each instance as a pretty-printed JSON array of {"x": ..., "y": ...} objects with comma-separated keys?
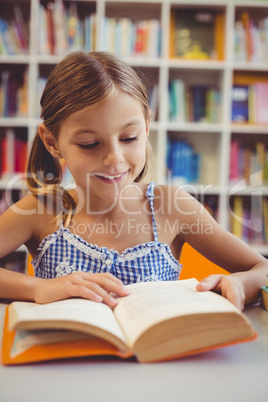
[{"x": 63, "y": 252}]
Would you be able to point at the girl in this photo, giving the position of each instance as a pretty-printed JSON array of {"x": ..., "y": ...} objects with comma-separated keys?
[{"x": 110, "y": 229}]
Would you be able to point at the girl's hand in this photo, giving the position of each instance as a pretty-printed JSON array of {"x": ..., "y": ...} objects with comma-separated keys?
[
  {"x": 94, "y": 287},
  {"x": 228, "y": 286}
]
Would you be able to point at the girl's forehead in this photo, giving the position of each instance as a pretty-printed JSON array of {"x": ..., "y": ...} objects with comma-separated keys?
[
  {"x": 118, "y": 102},
  {"x": 117, "y": 113}
]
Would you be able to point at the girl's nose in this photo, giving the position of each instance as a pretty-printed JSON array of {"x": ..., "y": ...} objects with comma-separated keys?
[{"x": 113, "y": 157}]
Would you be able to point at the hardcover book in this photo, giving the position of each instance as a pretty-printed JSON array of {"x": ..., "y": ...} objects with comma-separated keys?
[{"x": 156, "y": 321}]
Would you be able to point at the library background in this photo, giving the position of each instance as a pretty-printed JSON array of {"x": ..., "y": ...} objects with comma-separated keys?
[{"x": 208, "y": 60}]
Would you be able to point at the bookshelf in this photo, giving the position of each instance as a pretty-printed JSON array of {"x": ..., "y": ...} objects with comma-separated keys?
[{"x": 217, "y": 72}]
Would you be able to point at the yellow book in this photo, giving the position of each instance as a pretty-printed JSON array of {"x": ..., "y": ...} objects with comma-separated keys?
[{"x": 237, "y": 227}]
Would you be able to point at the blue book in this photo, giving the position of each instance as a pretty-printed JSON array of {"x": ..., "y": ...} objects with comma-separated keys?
[{"x": 240, "y": 104}]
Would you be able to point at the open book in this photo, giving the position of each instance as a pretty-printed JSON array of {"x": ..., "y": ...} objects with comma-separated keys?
[{"x": 156, "y": 321}]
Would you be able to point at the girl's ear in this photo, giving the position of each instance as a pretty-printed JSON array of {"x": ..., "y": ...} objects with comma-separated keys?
[{"x": 49, "y": 141}]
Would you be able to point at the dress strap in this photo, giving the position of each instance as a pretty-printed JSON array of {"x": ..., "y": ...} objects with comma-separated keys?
[{"x": 150, "y": 196}]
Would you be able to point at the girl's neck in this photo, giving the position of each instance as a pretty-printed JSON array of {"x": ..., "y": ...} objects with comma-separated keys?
[{"x": 127, "y": 202}]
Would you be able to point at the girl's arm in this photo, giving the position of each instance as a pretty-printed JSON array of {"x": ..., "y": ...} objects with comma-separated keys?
[
  {"x": 19, "y": 225},
  {"x": 96, "y": 287},
  {"x": 248, "y": 268}
]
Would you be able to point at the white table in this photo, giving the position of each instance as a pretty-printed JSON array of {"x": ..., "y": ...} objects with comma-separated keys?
[{"x": 237, "y": 373}]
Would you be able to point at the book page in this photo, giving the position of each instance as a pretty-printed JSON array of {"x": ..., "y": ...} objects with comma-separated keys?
[
  {"x": 75, "y": 310},
  {"x": 151, "y": 302},
  {"x": 26, "y": 339}
]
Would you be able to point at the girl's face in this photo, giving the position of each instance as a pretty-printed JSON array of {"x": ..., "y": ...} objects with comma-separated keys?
[{"x": 104, "y": 147}]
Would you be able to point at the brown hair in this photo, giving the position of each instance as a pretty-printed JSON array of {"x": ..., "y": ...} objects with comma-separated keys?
[{"x": 80, "y": 80}]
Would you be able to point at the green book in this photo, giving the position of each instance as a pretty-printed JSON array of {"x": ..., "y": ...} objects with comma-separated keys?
[{"x": 264, "y": 296}]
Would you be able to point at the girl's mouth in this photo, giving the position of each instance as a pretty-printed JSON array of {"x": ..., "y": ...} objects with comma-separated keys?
[{"x": 111, "y": 178}]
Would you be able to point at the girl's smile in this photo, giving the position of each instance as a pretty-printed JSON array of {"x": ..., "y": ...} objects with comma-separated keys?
[{"x": 113, "y": 178}]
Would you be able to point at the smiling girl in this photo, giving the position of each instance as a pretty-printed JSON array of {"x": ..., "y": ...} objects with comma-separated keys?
[{"x": 112, "y": 228}]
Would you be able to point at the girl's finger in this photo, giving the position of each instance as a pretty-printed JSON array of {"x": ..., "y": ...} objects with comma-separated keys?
[{"x": 209, "y": 283}]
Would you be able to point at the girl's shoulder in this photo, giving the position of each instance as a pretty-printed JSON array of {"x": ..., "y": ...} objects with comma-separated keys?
[
  {"x": 35, "y": 211},
  {"x": 30, "y": 205},
  {"x": 175, "y": 200}
]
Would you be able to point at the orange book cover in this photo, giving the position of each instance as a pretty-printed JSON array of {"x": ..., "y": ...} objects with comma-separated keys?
[{"x": 54, "y": 351}]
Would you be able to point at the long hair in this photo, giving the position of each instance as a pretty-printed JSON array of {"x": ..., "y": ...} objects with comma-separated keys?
[{"x": 80, "y": 80}]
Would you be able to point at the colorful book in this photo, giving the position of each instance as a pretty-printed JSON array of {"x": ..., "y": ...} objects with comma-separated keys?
[
  {"x": 240, "y": 104},
  {"x": 199, "y": 102},
  {"x": 156, "y": 321},
  {"x": 237, "y": 217},
  {"x": 261, "y": 102},
  {"x": 234, "y": 164},
  {"x": 8, "y": 153},
  {"x": 183, "y": 162}
]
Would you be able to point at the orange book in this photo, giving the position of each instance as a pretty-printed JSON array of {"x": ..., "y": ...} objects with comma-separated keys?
[
  {"x": 219, "y": 36},
  {"x": 249, "y": 78},
  {"x": 246, "y": 22},
  {"x": 156, "y": 321}
]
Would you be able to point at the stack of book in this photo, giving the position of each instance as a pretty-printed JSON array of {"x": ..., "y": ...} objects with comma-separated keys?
[{"x": 195, "y": 103}]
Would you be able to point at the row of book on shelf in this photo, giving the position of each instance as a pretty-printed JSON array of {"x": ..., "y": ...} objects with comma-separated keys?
[
  {"x": 194, "y": 34},
  {"x": 202, "y": 103},
  {"x": 14, "y": 33},
  {"x": 249, "y": 219},
  {"x": 194, "y": 103},
  {"x": 251, "y": 39},
  {"x": 62, "y": 29},
  {"x": 250, "y": 103},
  {"x": 13, "y": 92},
  {"x": 13, "y": 153},
  {"x": 187, "y": 103},
  {"x": 153, "y": 97},
  {"x": 247, "y": 159}
]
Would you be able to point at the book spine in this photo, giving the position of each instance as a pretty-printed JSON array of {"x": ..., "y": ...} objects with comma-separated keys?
[
  {"x": 8, "y": 154},
  {"x": 246, "y": 160},
  {"x": 249, "y": 220},
  {"x": 183, "y": 162},
  {"x": 127, "y": 38}
]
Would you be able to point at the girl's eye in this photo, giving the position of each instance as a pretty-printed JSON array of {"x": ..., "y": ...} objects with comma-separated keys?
[
  {"x": 89, "y": 146},
  {"x": 130, "y": 139}
]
